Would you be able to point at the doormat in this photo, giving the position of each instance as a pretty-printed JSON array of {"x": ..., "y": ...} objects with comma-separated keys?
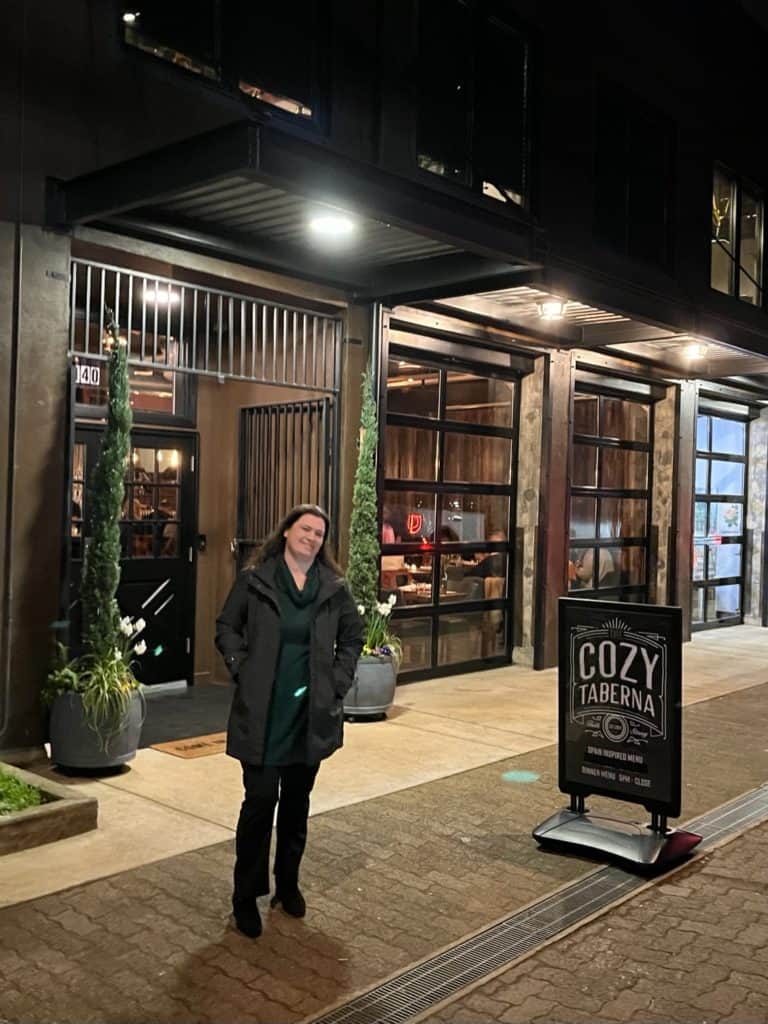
[{"x": 194, "y": 746}]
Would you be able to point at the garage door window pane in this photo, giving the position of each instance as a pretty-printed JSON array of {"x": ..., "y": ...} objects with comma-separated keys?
[
  {"x": 728, "y": 436},
  {"x": 624, "y": 468},
  {"x": 584, "y": 465},
  {"x": 412, "y": 389},
  {"x": 727, "y": 477},
  {"x": 623, "y": 517},
  {"x": 475, "y": 458},
  {"x": 583, "y": 516},
  {"x": 725, "y": 518},
  {"x": 702, "y": 476},
  {"x": 474, "y": 399},
  {"x": 724, "y": 560},
  {"x": 410, "y": 453},
  {"x": 625, "y": 421}
]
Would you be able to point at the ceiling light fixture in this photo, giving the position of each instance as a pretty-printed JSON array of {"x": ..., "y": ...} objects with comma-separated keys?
[
  {"x": 695, "y": 350},
  {"x": 551, "y": 309},
  {"x": 332, "y": 225}
]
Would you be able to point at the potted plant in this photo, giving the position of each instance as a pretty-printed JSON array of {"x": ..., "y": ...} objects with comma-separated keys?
[
  {"x": 97, "y": 708},
  {"x": 373, "y": 690}
]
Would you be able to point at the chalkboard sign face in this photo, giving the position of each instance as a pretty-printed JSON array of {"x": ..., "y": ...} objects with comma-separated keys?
[{"x": 620, "y": 686}]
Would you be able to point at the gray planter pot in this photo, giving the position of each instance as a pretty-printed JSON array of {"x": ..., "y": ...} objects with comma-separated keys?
[
  {"x": 373, "y": 690},
  {"x": 75, "y": 745}
]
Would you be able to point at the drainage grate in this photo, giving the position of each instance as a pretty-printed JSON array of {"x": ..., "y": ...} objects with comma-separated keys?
[{"x": 417, "y": 989}]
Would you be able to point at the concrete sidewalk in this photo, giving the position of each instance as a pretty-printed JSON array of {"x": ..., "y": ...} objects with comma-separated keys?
[
  {"x": 388, "y": 881},
  {"x": 165, "y": 806}
]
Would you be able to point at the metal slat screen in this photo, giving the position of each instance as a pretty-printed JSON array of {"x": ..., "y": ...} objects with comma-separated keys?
[
  {"x": 188, "y": 329},
  {"x": 285, "y": 460}
]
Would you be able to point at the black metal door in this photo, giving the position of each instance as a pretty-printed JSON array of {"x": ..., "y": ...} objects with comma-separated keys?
[
  {"x": 158, "y": 530},
  {"x": 286, "y": 459}
]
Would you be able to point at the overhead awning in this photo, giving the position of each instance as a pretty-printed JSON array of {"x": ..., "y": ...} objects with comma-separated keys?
[
  {"x": 592, "y": 330},
  {"x": 247, "y": 191}
]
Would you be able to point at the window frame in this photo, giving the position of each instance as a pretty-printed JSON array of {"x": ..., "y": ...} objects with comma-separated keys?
[
  {"x": 629, "y": 115},
  {"x": 481, "y": 15},
  {"x": 708, "y": 498},
  {"x": 616, "y": 590},
  {"x": 738, "y": 186},
  {"x": 219, "y": 74},
  {"x": 438, "y": 610}
]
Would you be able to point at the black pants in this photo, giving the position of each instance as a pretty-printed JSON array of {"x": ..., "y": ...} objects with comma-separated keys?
[{"x": 264, "y": 785}]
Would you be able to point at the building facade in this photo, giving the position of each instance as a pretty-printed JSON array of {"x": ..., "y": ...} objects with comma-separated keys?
[{"x": 545, "y": 231}]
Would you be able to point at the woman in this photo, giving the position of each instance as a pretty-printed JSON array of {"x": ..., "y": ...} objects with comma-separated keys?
[{"x": 290, "y": 635}]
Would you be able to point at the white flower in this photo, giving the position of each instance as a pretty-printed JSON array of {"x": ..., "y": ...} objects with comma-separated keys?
[
  {"x": 391, "y": 599},
  {"x": 126, "y": 626},
  {"x": 384, "y": 608},
  {"x": 118, "y": 654},
  {"x": 361, "y": 609},
  {"x": 140, "y": 624},
  {"x": 140, "y": 647}
]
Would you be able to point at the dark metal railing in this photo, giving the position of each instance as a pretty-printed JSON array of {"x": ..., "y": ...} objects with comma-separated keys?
[
  {"x": 286, "y": 459},
  {"x": 173, "y": 325}
]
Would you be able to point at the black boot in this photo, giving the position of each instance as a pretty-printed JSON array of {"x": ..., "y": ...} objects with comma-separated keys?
[
  {"x": 247, "y": 919},
  {"x": 292, "y": 901}
]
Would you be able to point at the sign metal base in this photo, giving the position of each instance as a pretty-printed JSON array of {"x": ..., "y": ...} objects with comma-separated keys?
[{"x": 657, "y": 848}]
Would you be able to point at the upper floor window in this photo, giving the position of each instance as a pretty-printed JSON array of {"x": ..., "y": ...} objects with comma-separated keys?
[
  {"x": 737, "y": 238},
  {"x": 634, "y": 152},
  {"x": 177, "y": 31},
  {"x": 472, "y": 72},
  {"x": 274, "y": 54}
]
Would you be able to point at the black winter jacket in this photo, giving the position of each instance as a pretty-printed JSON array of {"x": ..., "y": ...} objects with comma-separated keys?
[{"x": 248, "y": 636}]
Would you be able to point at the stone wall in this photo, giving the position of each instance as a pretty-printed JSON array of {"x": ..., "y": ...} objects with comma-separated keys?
[
  {"x": 662, "y": 497},
  {"x": 527, "y": 513},
  {"x": 757, "y": 492},
  {"x": 33, "y": 351}
]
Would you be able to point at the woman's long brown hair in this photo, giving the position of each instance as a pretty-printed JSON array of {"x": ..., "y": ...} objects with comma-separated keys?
[{"x": 274, "y": 545}]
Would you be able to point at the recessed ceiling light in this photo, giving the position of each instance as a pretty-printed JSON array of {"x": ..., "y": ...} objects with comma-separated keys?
[
  {"x": 695, "y": 350},
  {"x": 332, "y": 225},
  {"x": 551, "y": 309}
]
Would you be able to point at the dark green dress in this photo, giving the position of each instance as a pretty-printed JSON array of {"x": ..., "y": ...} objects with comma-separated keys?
[{"x": 286, "y": 738}]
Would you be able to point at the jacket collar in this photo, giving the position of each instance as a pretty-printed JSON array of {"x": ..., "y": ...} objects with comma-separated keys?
[{"x": 264, "y": 574}]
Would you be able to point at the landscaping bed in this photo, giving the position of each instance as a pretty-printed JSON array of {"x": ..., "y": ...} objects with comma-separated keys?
[{"x": 34, "y": 810}]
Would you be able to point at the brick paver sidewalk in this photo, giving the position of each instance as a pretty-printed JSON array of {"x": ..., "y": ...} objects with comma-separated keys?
[
  {"x": 693, "y": 950},
  {"x": 388, "y": 881}
]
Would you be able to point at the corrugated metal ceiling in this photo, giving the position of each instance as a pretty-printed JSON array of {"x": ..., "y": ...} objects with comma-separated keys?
[
  {"x": 246, "y": 208},
  {"x": 523, "y": 302}
]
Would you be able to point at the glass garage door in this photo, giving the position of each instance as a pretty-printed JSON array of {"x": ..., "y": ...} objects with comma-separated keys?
[
  {"x": 609, "y": 501},
  {"x": 718, "y": 522},
  {"x": 449, "y": 456}
]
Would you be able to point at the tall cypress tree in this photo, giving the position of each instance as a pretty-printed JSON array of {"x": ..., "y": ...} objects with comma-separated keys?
[
  {"x": 364, "y": 550},
  {"x": 101, "y": 569}
]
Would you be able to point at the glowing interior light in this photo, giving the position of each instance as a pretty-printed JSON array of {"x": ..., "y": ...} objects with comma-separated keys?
[{"x": 162, "y": 296}]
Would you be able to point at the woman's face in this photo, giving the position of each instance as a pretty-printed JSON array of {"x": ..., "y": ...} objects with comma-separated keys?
[{"x": 305, "y": 538}]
